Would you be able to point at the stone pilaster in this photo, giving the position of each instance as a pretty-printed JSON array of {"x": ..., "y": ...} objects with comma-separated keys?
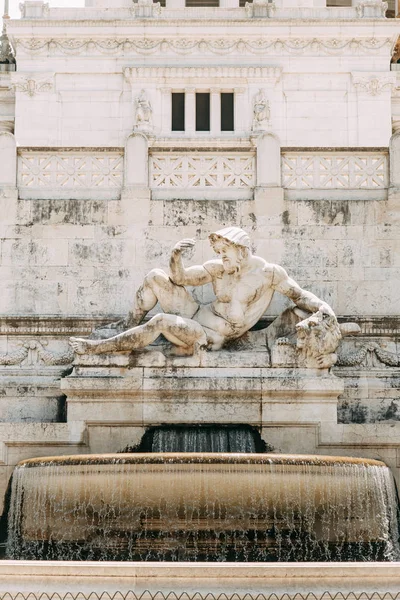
[
  {"x": 268, "y": 194},
  {"x": 135, "y": 196},
  {"x": 8, "y": 168}
]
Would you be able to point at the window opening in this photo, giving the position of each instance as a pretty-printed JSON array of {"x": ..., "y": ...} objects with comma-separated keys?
[
  {"x": 178, "y": 111},
  {"x": 206, "y": 3},
  {"x": 227, "y": 112},
  {"x": 202, "y": 112}
]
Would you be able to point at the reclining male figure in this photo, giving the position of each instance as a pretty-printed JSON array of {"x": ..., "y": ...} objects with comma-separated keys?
[{"x": 243, "y": 284}]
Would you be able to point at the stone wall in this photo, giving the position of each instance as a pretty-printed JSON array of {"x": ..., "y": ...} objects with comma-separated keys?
[
  {"x": 87, "y": 208},
  {"x": 87, "y": 256}
]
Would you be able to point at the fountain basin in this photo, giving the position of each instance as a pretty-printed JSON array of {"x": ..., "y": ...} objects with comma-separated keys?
[{"x": 200, "y": 506}]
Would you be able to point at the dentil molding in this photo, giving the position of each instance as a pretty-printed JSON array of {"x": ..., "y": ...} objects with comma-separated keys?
[{"x": 267, "y": 74}]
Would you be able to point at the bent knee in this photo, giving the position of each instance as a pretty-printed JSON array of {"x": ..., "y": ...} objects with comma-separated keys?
[
  {"x": 157, "y": 320},
  {"x": 156, "y": 276}
]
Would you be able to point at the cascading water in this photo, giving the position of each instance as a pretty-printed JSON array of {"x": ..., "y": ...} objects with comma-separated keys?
[
  {"x": 208, "y": 507},
  {"x": 201, "y": 438}
]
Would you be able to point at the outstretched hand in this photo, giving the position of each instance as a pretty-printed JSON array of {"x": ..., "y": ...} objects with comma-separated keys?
[{"x": 184, "y": 245}]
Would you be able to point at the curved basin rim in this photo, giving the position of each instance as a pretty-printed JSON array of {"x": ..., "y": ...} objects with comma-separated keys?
[{"x": 199, "y": 458}]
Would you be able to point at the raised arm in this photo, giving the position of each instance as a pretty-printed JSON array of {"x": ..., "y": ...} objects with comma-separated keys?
[
  {"x": 186, "y": 276},
  {"x": 306, "y": 300}
]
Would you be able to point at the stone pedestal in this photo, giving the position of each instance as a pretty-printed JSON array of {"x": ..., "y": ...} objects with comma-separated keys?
[{"x": 146, "y": 388}]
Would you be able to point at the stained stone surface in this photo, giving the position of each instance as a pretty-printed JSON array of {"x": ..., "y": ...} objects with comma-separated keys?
[{"x": 95, "y": 192}]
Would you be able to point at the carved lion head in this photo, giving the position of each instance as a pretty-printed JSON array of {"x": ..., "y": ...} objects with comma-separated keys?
[{"x": 318, "y": 334}]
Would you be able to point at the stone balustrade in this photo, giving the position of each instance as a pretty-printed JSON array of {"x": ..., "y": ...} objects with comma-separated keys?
[{"x": 190, "y": 173}]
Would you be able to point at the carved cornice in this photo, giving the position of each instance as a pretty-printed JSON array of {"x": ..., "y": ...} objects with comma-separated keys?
[
  {"x": 32, "y": 84},
  {"x": 374, "y": 84},
  {"x": 267, "y": 74},
  {"x": 65, "y": 326},
  {"x": 55, "y": 326},
  {"x": 221, "y": 45}
]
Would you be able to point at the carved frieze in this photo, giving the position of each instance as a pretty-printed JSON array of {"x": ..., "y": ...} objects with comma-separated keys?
[
  {"x": 33, "y": 353},
  {"x": 367, "y": 354},
  {"x": 222, "y": 45}
]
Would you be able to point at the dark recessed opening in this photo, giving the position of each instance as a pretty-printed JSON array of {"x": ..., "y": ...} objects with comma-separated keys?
[
  {"x": 206, "y": 3},
  {"x": 227, "y": 112},
  {"x": 202, "y": 112},
  {"x": 178, "y": 111}
]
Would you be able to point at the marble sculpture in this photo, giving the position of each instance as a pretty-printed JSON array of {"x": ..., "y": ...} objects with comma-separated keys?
[{"x": 243, "y": 284}]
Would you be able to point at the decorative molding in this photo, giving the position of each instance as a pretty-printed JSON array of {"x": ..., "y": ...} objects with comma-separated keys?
[
  {"x": 302, "y": 170},
  {"x": 222, "y": 45},
  {"x": 70, "y": 170},
  {"x": 143, "y": 113},
  {"x": 31, "y": 84},
  {"x": 7, "y": 125},
  {"x": 373, "y": 84},
  {"x": 57, "y": 325},
  {"x": 66, "y": 326},
  {"x": 371, "y": 9},
  {"x": 260, "y": 9},
  {"x": 146, "y": 8},
  {"x": 364, "y": 355},
  {"x": 33, "y": 353},
  {"x": 261, "y": 112},
  {"x": 202, "y": 170},
  {"x": 267, "y": 74},
  {"x": 38, "y": 10}
]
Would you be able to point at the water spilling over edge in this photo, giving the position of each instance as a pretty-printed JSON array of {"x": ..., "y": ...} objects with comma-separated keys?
[{"x": 203, "y": 507}]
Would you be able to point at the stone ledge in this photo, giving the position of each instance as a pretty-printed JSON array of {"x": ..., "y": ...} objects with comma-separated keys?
[
  {"x": 231, "y": 578},
  {"x": 83, "y": 325}
]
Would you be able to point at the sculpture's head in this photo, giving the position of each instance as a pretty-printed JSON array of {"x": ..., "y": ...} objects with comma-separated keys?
[{"x": 233, "y": 246}]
